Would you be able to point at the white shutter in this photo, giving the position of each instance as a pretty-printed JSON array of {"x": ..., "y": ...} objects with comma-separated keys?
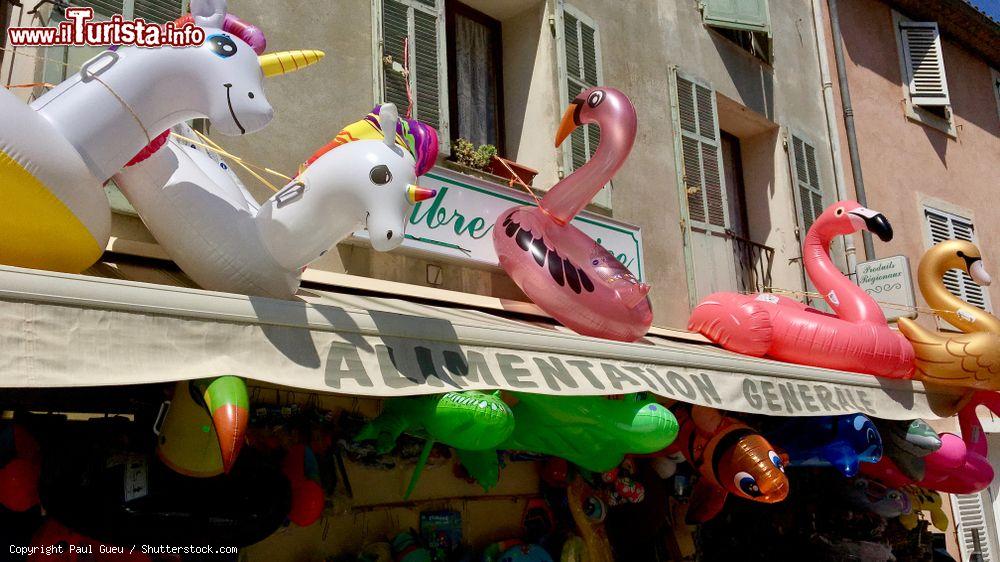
[
  {"x": 923, "y": 63},
  {"x": 942, "y": 226},
  {"x": 970, "y": 513},
  {"x": 808, "y": 192},
  {"x": 421, "y": 22},
  {"x": 701, "y": 157}
]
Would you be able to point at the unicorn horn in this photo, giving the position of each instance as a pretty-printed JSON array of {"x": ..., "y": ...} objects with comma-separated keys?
[
  {"x": 283, "y": 62},
  {"x": 415, "y": 194}
]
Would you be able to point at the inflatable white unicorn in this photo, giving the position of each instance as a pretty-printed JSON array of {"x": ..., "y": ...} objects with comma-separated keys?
[
  {"x": 216, "y": 232},
  {"x": 56, "y": 153}
]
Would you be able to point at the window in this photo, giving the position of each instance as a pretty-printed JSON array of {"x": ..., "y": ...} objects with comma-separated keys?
[
  {"x": 420, "y": 24},
  {"x": 475, "y": 65},
  {"x": 157, "y": 11},
  {"x": 943, "y": 225},
  {"x": 701, "y": 159},
  {"x": 805, "y": 179},
  {"x": 970, "y": 515},
  {"x": 744, "y": 22},
  {"x": 578, "y": 45},
  {"x": 922, "y": 68},
  {"x": 996, "y": 88}
]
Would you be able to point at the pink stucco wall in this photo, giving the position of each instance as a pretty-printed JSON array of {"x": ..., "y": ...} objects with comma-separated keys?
[{"x": 905, "y": 162}]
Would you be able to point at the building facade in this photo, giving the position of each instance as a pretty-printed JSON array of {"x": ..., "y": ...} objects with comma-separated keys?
[{"x": 923, "y": 87}]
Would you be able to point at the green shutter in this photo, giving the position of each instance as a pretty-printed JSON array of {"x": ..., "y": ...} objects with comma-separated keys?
[
  {"x": 105, "y": 8},
  {"x": 158, "y": 11},
  {"x": 941, "y": 226},
  {"x": 809, "y": 193},
  {"x": 420, "y": 22},
  {"x": 748, "y": 15},
  {"x": 701, "y": 156}
]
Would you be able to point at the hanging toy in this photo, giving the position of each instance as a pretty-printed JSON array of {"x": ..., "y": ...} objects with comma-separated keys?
[
  {"x": 19, "y": 476},
  {"x": 561, "y": 269},
  {"x": 843, "y": 442},
  {"x": 970, "y": 359},
  {"x": 854, "y": 338},
  {"x": 57, "y": 153}
]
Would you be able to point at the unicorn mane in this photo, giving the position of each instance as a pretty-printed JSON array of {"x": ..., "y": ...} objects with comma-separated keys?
[
  {"x": 249, "y": 33},
  {"x": 419, "y": 139}
]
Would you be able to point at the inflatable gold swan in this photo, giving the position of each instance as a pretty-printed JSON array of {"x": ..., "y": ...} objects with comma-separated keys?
[{"x": 969, "y": 359}]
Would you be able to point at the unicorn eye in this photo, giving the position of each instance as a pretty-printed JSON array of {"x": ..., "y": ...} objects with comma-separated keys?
[
  {"x": 380, "y": 175},
  {"x": 222, "y": 45}
]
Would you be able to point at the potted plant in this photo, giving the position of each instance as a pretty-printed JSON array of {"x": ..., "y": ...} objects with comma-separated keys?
[{"x": 484, "y": 159}]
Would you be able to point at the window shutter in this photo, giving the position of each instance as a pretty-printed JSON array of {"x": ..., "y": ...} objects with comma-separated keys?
[
  {"x": 948, "y": 226},
  {"x": 970, "y": 513},
  {"x": 996, "y": 88},
  {"x": 421, "y": 22},
  {"x": 806, "y": 182},
  {"x": 580, "y": 68},
  {"x": 701, "y": 155},
  {"x": 924, "y": 63},
  {"x": 747, "y": 15},
  {"x": 105, "y": 8},
  {"x": 159, "y": 11}
]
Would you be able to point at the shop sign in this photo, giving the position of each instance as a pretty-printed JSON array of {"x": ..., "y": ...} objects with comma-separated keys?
[
  {"x": 458, "y": 223},
  {"x": 888, "y": 281}
]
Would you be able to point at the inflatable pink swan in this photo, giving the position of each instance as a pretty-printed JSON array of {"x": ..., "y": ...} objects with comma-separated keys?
[
  {"x": 561, "y": 269},
  {"x": 855, "y": 338},
  {"x": 960, "y": 466}
]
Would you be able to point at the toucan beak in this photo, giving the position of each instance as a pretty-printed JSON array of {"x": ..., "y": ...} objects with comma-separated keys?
[
  {"x": 283, "y": 62},
  {"x": 570, "y": 121},
  {"x": 875, "y": 222},
  {"x": 416, "y": 194},
  {"x": 228, "y": 405}
]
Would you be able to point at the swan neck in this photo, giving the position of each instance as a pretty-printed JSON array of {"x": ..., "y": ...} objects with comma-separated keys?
[{"x": 930, "y": 277}]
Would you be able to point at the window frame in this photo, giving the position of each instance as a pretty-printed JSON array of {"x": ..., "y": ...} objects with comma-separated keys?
[
  {"x": 914, "y": 111},
  {"x": 951, "y": 212},
  {"x": 378, "y": 68},
  {"x": 603, "y": 199},
  {"x": 453, "y": 8}
]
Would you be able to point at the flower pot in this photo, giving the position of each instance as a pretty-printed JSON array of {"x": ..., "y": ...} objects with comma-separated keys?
[{"x": 525, "y": 174}]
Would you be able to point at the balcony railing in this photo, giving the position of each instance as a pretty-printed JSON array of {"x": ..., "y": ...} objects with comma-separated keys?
[{"x": 753, "y": 265}]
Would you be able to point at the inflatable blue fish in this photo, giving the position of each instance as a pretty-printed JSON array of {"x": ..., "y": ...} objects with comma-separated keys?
[{"x": 843, "y": 442}]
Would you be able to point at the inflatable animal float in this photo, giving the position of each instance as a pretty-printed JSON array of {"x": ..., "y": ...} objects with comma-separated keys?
[
  {"x": 56, "y": 154},
  {"x": 469, "y": 421},
  {"x": 855, "y": 337},
  {"x": 906, "y": 443},
  {"x": 923, "y": 500},
  {"x": 843, "y": 442},
  {"x": 20, "y": 464},
  {"x": 960, "y": 466},
  {"x": 878, "y": 498},
  {"x": 203, "y": 426},
  {"x": 589, "y": 512},
  {"x": 969, "y": 359},
  {"x": 215, "y": 231},
  {"x": 561, "y": 269},
  {"x": 730, "y": 457}
]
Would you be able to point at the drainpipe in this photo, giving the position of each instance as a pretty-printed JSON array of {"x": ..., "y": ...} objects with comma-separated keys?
[
  {"x": 852, "y": 138},
  {"x": 831, "y": 127}
]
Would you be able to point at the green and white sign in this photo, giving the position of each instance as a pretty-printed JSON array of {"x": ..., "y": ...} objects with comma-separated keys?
[
  {"x": 458, "y": 223},
  {"x": 888, "y": 282}
]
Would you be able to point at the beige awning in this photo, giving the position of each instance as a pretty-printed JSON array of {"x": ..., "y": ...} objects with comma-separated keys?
[{"x": 61, "y": 330}]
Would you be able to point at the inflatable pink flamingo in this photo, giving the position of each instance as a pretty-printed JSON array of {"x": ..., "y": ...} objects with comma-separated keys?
[
  {"x": 960, "y": 466},
  {"x": 854, "y": 338},
  {"x": 561, "y": 269}
]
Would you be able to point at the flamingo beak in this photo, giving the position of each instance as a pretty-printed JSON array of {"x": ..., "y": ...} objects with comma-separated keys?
[
  {"x": 874, "y": 222},
  {"x": 284, "y": 62},
  {"x": 570, "y": 121},
  {"x": 416, "y": 194},
  {"x": 228, "y": 404}
]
